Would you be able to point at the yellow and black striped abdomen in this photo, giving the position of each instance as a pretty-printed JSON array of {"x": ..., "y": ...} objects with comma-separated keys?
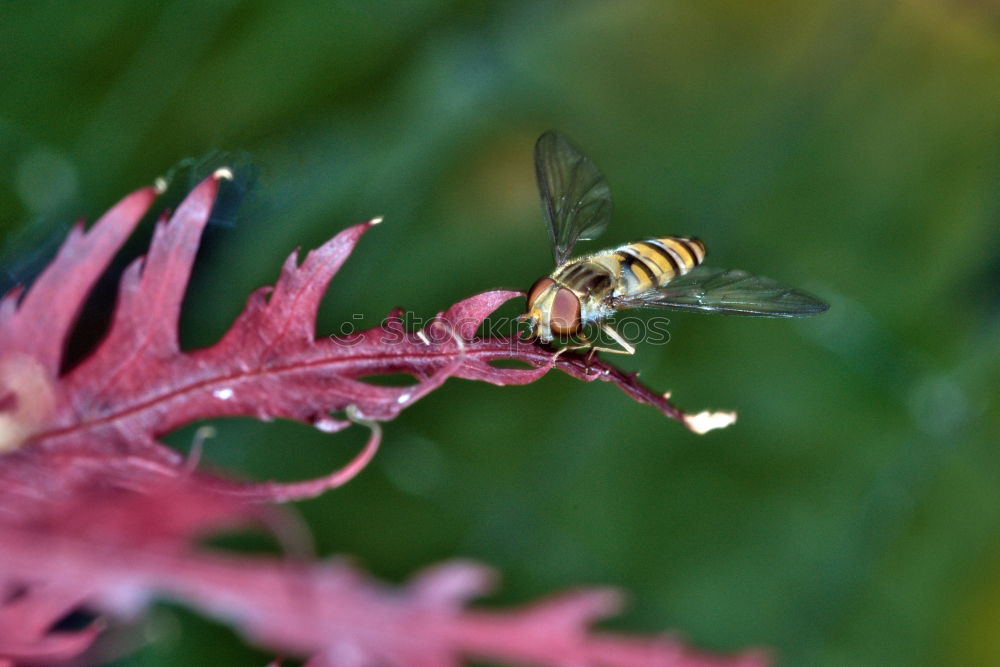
[{"x": 655, "y": 262}]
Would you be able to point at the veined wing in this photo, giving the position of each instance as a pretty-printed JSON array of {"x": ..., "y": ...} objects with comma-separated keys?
[
  {"x": 576, "y": 199},
  {"x": 733, "y": 292}
]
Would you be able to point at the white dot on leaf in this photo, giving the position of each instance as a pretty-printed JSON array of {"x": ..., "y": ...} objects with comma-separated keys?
[{"x": 327, "y": 425}]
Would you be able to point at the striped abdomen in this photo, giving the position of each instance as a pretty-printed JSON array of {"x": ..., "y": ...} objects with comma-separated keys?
[{"x": 654, "y": 262}]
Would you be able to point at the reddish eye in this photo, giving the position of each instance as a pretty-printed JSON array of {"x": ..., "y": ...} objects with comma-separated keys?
[
  {"x": 540, "y": 286},
  {"x": 565, "y": 316}
]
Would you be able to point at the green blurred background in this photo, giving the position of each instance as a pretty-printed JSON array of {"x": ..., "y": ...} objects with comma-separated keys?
[{"x": 850, "y": 517}]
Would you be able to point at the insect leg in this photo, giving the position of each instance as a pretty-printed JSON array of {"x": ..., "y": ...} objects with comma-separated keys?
[
  {"x": 627, "y": 347},
  {"x": 583, "y": 345}
]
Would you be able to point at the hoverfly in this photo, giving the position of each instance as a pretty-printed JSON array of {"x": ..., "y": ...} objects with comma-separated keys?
[{"x": 662, "y": 272}]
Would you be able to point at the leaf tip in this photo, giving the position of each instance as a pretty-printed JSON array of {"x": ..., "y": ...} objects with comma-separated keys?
[
  {"x": 223, "y": 174},
  {"x": 706, "y": 421}
]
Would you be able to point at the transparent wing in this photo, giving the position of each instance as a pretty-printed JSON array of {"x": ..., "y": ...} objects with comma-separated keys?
[
  {"x": 735, "y": 292},
  {"x": 576, "y": 199}
]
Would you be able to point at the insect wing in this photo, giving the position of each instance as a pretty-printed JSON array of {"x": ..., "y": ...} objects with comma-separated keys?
[
  {"x": 576, "y": 199},
  {"x": 731, "y": 292}
]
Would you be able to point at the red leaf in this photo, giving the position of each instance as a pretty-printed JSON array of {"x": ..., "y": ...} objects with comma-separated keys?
[
  {"x": 95, "y": 511},
  {"x": 39, "y": 325},
  {"x": 323, "y": 609},
  {"x": 138, "y": 384}
]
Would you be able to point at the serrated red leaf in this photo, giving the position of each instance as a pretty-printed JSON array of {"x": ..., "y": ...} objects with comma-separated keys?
[
  {"x": 95, "y": 511},
  {"x": 328, "y": 610}
]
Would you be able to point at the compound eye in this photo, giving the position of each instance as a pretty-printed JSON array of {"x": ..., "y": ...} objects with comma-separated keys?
[
  {"x": 540, "y": 286},
  {"x": 565, "y": 315}
]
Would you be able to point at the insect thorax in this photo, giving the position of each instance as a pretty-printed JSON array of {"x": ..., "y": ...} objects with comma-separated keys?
[
  {"x": 593, "y": 280},
  {"x": 585, "y": 276}
]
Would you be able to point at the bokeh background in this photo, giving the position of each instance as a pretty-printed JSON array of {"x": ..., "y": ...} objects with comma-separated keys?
[{"x": 850, "y": 517}]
